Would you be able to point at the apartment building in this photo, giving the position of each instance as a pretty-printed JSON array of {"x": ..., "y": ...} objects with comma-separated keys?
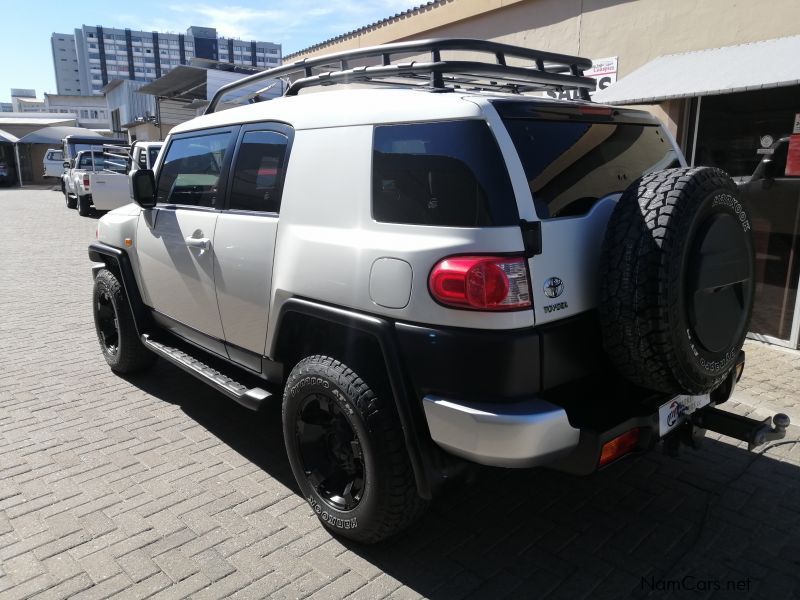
[
  {"x": 103, "y": 54},
  {"x": 65, "y": 63}
]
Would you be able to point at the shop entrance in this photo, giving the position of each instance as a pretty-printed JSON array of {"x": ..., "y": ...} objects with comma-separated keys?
[{"x": 747, "y": 134}]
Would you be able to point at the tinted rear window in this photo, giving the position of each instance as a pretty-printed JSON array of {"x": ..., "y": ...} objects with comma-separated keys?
[
  {"x": 571, "y": 165},
  {"x": 448, "y": 174}
]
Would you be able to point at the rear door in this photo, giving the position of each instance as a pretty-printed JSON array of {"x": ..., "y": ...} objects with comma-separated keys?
[
  {"x": 110, "y": 190},
  {"x": 245, "y": 237},
  {"x": 576, "y": 170},
  {"x": 175, "y": 239}
]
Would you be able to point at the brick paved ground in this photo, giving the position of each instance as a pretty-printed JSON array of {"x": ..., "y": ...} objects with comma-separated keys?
[{"x": 159, "y": 486}]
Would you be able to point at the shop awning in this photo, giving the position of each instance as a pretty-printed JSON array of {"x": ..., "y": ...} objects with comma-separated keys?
[
  {"x": 754, "y": 66},
  {"x": 183, "y": 82},
  {"x": 54, "y": 135},
  {"x": 8, "y": 137}
]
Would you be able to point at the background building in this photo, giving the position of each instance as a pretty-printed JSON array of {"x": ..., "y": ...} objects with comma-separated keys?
[
  {"x": 24, "y": 100},
  {"x": 65, "y": 63},
  {"x": 88, "y": 111},
  {"x": 98, "y": 55}
]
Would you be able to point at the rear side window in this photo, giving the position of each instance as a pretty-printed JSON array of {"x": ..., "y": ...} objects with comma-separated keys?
[
  {"x": 258, "y": 173},
  {"x": 571, "y": 165},
  {"x": 191, "y": 170},
  {"x": 448, "y": 174},
  {"x": 86, "y": 161},
  {"x": 153, "y": 152}
]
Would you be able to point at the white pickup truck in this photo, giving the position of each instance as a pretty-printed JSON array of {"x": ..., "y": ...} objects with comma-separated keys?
[
  {"x": 77, "y": 179},
  {"x": 111, "y": 189}
]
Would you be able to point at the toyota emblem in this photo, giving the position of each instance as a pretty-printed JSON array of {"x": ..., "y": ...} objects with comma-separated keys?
[{"x": 553, "y": 287}]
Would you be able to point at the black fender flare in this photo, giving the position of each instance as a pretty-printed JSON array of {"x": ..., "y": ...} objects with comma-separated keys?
[
  {"x": 119, "y": 261},
  {"x": 422, "y": 452}
]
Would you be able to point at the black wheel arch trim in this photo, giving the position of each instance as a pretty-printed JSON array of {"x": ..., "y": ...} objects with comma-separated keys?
[
  {"x": 422, "y": 452},
  {"x": 119, "y": 260}
]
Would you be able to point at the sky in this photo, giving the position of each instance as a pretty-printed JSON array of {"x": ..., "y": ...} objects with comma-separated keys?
[{"x": 26, "y": 59}]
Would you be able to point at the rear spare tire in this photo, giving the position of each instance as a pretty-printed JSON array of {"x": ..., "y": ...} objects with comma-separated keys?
[{"x": 677, "y": 280}]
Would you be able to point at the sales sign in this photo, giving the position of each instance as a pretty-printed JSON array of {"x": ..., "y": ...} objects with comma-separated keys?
[{"x": 604, "y": 70}]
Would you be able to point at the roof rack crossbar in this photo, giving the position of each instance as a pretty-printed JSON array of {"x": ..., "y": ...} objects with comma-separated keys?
[
  {"x": 501, "y": 76},
  {"x": 548, "y": 70}
]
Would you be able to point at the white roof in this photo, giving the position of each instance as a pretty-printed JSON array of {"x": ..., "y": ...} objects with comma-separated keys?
[
  {"x": 766, "y": 64},
  {"x": 343, "y": 107}
]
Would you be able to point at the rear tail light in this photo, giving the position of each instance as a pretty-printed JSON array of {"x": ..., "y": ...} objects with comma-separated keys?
[
  {"x": 481, "y": 282},
  {"x": 86, "y": 181},
  {"x": 619, "y": 447}
]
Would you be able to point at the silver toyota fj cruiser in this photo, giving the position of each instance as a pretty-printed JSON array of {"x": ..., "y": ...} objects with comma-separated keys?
[{"x": 436, "y": 267}]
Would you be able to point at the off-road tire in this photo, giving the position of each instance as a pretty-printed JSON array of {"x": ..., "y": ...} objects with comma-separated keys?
[
  {"x": 129, "y": 354},
  {"x": 389, "y": 502},
  {"x": 71, "y": 202},
  {"x": 84, "y": 206},
  {"x": 673, "y": 237}
]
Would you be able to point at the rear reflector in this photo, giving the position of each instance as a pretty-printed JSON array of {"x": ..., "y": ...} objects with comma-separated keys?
[
  {"x": 481, "y": 282},
  {"x": 619, "y": 447}
]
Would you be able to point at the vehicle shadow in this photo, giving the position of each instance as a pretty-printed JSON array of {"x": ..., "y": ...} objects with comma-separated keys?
[
  {"x": 256, "y": 436},
  {"x": 721, "y": 522}
]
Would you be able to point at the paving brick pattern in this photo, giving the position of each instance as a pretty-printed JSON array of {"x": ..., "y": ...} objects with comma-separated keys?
[{"x": 156, "y": 486}]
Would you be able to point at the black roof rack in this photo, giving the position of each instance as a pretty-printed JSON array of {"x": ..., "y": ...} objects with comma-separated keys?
[{"x": 546, "y": 71}]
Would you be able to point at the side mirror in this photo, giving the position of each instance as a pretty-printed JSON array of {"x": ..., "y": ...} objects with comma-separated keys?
[
  {"x": 143, "y": 188},
  {"x": 66, "y": 164}
]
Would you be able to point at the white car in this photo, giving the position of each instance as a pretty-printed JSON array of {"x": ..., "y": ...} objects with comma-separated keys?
[
  {"x": 436, "y": 272},
  {"x": 53, "y": 162}
]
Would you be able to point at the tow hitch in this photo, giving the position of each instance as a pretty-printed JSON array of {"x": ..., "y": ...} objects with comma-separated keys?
[{"x": 754, "y": 432}]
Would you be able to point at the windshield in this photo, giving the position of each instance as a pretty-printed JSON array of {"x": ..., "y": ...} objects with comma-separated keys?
[{"x": 571, "y": 165}]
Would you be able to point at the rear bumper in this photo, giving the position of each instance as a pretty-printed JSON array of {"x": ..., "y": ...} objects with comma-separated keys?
[
  {"x": 520, "y": 434},
  {"x": 537, "y": 432}
]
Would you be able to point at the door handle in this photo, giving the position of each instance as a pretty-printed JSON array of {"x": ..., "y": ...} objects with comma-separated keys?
[{"x": 203, "y": 243}]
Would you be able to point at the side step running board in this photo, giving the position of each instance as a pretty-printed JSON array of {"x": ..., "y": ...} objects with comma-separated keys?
[{"x": 252, "y": 398}]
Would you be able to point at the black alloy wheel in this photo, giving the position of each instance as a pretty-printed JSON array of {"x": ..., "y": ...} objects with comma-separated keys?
[
  {"x": 346, "y": 449},
  {"x": 330, "y": 452},
  {"x": 116, "y": 330},
  {"x": 107, "y": 322}
]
